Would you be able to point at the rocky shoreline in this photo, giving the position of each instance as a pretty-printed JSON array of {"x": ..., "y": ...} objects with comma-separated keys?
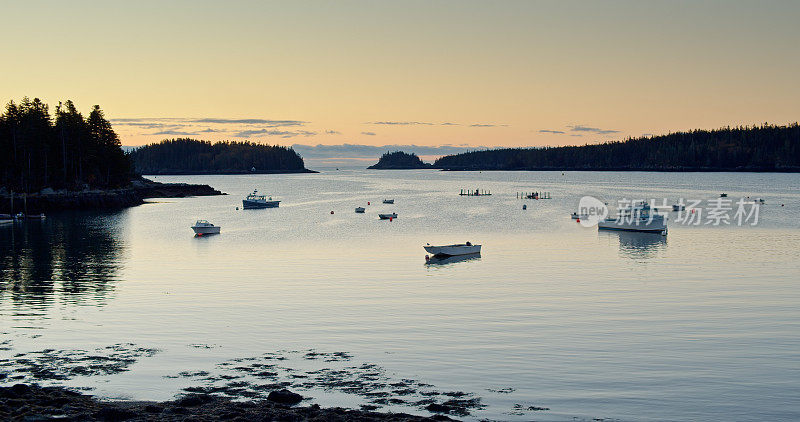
[
  {"x": 140, "y": 189},
  {"x": 30, "y": 402}
]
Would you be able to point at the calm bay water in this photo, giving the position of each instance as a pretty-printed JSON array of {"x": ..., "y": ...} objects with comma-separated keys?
[{"x": 703, "y": 324}]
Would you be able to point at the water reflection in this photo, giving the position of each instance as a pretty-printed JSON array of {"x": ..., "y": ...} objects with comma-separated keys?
[
  {"x": 638, "y": 245},
  {"x": 72, "y": 257},
  {"x": 444, "y": 260}
]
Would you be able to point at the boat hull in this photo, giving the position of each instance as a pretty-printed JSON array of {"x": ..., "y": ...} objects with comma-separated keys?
[
  {"x": 205, "y": 230},
  {"x": 360, "y": 210},
  {"x": 654, "y": 226},
  {"x": 453, "y": 250},
  {"x": 251, "y": 205},
  {"x": 387, "y": 216}
]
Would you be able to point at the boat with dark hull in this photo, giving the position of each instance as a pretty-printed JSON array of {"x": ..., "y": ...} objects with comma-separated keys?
[{"x": 256, "y": 201}]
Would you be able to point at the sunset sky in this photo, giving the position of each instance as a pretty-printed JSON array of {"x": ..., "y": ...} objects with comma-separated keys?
[{"x": 513, "y": 73}]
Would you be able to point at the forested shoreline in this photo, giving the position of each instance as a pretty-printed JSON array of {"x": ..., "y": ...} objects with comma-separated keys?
[
  {"x": 191, "y": 156},
  {"x": 399, "y": 160},
  {"x": 765, "y": 148},
  {"x": 64, "y": 151}
]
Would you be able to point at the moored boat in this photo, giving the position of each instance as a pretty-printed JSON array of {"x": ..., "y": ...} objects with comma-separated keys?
[
  {"x": 388, "y": 201},
  {"x": 453, "y": 250},
  {"x": 637, "y": 217},
  {"x": 387, "y": 216},
  {"x": 255, "y": 201},
  {"x": 360, "y": 210},
  {"x": 203, "y": 227}
]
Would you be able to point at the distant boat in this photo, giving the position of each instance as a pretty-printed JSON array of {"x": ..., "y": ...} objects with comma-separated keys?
[
  {"x": 638, "y": 218},
  {"x": 255, "y": 201},
  {"x": 360, "y": 210},
  {"x": 387, "y": 216},
  {"x": 678, "y": 207},
  {"x": 453, "y": 250},
  {"x": 202, "y": 227},
  {"x": 388, "y": 201},
  {"x": 723, "y": 195},
  {"x": 576, "y": 216}
]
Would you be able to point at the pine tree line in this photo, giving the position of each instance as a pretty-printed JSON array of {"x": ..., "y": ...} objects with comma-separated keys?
[
  {"x": 69, "y": 151},
  {"x": 746, "y": 148},
  {"x": 186, "y": 156}
]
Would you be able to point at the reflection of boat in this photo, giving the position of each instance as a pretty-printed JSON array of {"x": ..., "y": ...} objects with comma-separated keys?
[
  {"x": 254, "y": 201},
  {"x": 387, "y": 216},
  {"x": 360, "y": 210},
  {"x": 445, "y": 259},
  {"x": 452, "y": 250},
  {"x": 388, "y": 201},
  {"x": 5, "y": 221},
  {"x": 202, "y": 227},
  {"x": 22, "y": 216},
  {"x": 638, "y": 218},
  {"x": 639, "y": 245}
]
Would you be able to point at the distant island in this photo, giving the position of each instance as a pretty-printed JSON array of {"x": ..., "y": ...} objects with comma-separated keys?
[
  {"x": 69, "y": 161},
  {"x": 399, "y": 160},
  {"x": 757, "y": 148},
  {"x": 192, "y": 156}
]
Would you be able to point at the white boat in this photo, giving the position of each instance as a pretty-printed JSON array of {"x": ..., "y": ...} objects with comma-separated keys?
[
  {"x": 576, "y": 216},
  {"x": 638, "y": 218},
  {"x": 203, "y": 227},
  {"x": 360, "y": 210},
  {"x": 254, "y": 201},
  {"x": 387, "y": 216},
  {"x": 453, "y": 250},
  {"x": 388, "y": 201}
]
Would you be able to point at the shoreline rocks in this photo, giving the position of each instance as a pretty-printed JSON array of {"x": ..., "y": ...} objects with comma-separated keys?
[
  {"x": 32, "y": 402},
  {"x": 49, "y": 200}
]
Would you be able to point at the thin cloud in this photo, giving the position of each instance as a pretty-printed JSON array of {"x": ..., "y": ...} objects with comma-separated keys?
[
  {"x": 450, "y": 124},
  {"x": 400, "y": 123},
  {"x": 558, "y": 132},
  {"x": 486, "y": 125},
  {"x": 272, "y": 132},
  {"x": 260, "y": 122},
  {"x": 369, "y": 133},
  {"x": 333, "y": 132},
  {"x": 582, "y": 128},
  {"x": 173, "y": 132}
]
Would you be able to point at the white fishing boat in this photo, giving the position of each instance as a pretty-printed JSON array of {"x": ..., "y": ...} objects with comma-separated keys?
[
  {"x": 453, "y": 250},
  {"x": 203, "y": 227},
  {"x": 638, "y": 217},
  {"x": 255, "y": 201},
  {"x": 391, "y": 216},
  {"x": 388, "y": 201},
  {"x": 360, "y": 210}
]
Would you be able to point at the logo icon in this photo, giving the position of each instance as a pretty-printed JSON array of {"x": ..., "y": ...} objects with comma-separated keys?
[{"x": 591, "y": 210}]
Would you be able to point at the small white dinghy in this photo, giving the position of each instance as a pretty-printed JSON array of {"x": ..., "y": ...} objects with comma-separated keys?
[
  {"x": 203, "y": 227},
  {"x": 453, "y": 250},
  {"x": 360, "y": 210},
  {"x": 387, "y": 216}
]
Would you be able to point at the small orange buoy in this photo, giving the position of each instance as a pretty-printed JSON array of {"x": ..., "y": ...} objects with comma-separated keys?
[{"x": 331, "y": 212}]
